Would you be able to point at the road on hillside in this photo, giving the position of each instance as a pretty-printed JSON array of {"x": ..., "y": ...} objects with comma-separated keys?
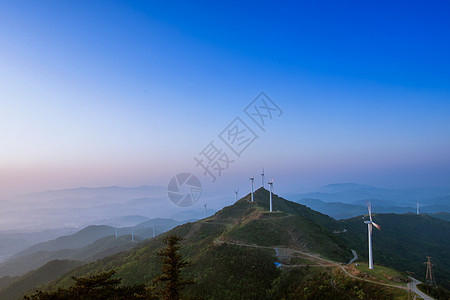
[
  {"x": 413, "y": 286},
  {"x": 325, "y": 262},
  {"x": 355, "y": 257}
]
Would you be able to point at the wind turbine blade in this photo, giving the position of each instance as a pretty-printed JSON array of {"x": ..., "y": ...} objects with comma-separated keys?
[
  {"x": 370, "y": 211},
  {"x": 376, "y": 225}
]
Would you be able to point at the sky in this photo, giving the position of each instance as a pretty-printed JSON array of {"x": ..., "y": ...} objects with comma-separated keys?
[{"x": 100, "y": 93}]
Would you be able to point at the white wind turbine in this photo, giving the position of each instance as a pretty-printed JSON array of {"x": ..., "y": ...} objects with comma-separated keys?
[
  {"x": 252, "y": 179},
  {"x": 271, "y": 189},
  {"x": 236, "y": 192},
  {"x": 262, "y": 178},
  {"x": 369, "y": 229},
  {"x": 204, "y": 211},
  {"x": 417, "y": 207}
]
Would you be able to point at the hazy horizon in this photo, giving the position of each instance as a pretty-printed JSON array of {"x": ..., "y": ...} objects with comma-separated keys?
[
  {"x": 244, "y": 186},
  {"x": 128, "y": 93}
]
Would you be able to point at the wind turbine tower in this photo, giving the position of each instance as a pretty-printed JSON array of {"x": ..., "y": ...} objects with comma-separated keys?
[
  {"x": 236, "y": 196},
  {"x": 369, "y": 229},
  {"x": 270, "y": 199},
  {"x": 132, "y": 236},
  {"x": 204, "y": 211},
  {"x": 417, "y": 207},
  {"x": 252, "y": 179},
  {"x": 262, "y": 178},
  {"x": 153, "y": 231},
  {"x": 116, "y": 233}
]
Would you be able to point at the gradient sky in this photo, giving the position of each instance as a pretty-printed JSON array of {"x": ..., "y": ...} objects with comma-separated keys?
[{"x": 98, "y": 93}]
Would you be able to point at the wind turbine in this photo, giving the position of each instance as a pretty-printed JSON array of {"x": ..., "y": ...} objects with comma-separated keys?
[
  {"x": 116, "y": 233},
  {"x": 153, "y": 231},
  {"x": 262, "y": 178},
  {"x": 252, "y": 179},
  {"x": 417, "y": 207},
  {"x": 236, "y": 192},
  {"x": 204, "y": 212},
  {"x": 369, "y": 229},
  {"x": 132, "y": 236},
  {"x": 271, "y": 189}
]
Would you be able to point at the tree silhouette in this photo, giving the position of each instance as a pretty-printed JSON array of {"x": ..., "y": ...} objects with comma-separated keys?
[
  {"x": 101, "y": 286},
  {"x": 173, "y": 263}
]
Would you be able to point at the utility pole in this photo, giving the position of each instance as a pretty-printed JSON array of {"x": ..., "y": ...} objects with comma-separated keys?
[{"x": 430, "y": 280}]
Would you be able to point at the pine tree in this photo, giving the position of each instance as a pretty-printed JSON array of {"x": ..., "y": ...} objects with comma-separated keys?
[
  {"x": 98, "y": 287},
  {"x": 173, "y": 263}
]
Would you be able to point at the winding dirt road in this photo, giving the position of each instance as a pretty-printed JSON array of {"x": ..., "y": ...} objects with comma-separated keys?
[{"x": 322, "y": 262}]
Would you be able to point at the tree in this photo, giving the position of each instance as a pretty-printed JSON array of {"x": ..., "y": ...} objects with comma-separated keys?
[
  {"x": 173, "y": 263},
  {"x": 101, "y": 286}
]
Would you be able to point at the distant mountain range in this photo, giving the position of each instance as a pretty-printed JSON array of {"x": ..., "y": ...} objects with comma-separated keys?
[
  {"x": 357, "y": 194},
  {"x": 110, "y": 193},
  {"x": 81, "y": 207},
  {"x": 88, "y": 244},
  {"x": 12, "y": 242},
  {"x": 339, "y": 210},
  {"x": 347, "y": 200},
  {"x": 233, "y": 252},
  {"x": 79, "y": 239}
]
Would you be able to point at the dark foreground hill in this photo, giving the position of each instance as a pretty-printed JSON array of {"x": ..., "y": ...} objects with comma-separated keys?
[{"x": 233, "y": 255}]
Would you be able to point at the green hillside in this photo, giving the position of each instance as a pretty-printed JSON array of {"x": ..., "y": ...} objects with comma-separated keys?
[
  {"x": 404, "y": 242},
  {"x": 233, "y": 255},
  {"x": 43, "y": 275}
]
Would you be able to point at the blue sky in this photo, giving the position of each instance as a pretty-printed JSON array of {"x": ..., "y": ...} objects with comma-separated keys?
[{"x": 127, "y": 92}]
